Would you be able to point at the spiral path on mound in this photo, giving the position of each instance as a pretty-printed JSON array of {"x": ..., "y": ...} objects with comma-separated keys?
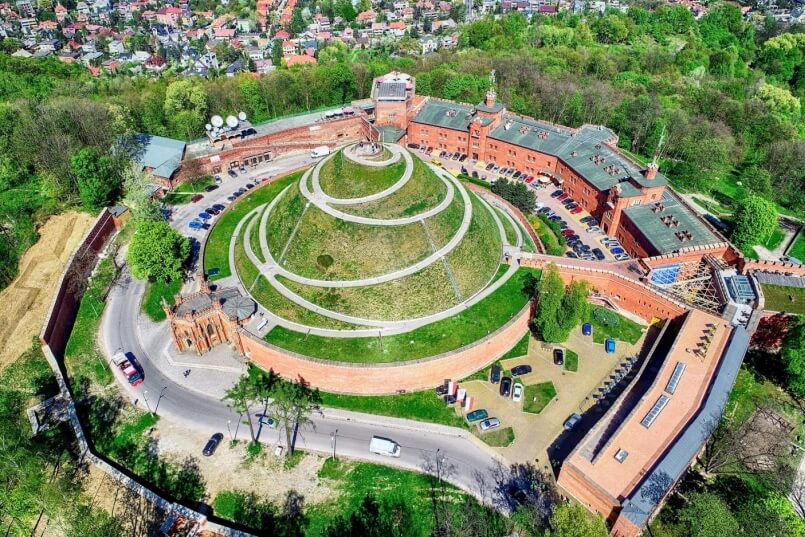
[{"x": 271, "y": 269}]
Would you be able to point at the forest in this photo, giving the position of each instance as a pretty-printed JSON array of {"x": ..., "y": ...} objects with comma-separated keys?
[{"x": 716, "y": 99}]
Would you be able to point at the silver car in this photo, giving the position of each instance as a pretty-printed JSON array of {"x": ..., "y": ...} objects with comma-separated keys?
[{"x": 491, "y": 423}]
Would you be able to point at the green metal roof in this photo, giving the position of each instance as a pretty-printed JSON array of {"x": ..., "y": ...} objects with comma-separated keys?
[
  {"x": 162, "y": 154},
  {"x": 663, "y": 237},
  {"x": 390, "y": 134},
  {"x": 444, "y": 114},
  {"x": 497, "y": 107}
]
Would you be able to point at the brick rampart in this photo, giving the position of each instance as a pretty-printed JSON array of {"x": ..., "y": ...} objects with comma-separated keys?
[
  {"x": 772, "y": 266},
  {"x": 694, "y": 253},
  {"x": 625, "y": 292},
  {"x": 64, "y": 306},
  {"x": 387, "y": 378}
]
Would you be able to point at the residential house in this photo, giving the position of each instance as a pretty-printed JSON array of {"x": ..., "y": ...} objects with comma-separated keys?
[
  {"x": 428, "y": 44},
  {"x": 299, "y": 59}
]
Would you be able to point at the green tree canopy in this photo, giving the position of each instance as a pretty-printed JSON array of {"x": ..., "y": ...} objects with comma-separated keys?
[
  {"x": 560, "y": 308},
  {"x": 575, "y": 521},
  {"x": 157, "y": 252},
  {"x": 755, "y": 221},
  {"x": 98, "y": 177},
  {"x": 793, "y": 357},
  {"x": 706, "y": 515}
]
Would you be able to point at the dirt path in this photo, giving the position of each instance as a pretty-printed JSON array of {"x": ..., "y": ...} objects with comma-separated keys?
[{"x": 24, "y": 303}]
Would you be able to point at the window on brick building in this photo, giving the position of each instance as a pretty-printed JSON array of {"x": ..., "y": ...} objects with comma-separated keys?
[{"x": 621, "y": 455}]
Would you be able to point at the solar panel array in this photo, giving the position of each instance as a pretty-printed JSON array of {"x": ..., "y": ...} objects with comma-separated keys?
[
  {"x": 655, "y": 411},
  {"x": 673, "y": 382}
]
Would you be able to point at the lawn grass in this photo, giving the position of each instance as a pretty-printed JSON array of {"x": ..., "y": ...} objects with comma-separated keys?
[
  {"x": 496, "y": 437},
  {"x": 521, "y": 349},
  {"x": 477, "y": 257},
  {"x": 778, "y": 298},
  {"x": 216, "y": 250},
  {"x": 423, "y": 191},
  {"x": 528, "y": 243},
  {"x": 537, "y": 396},
  {"x": 571, "y": 360},
  {"x": 550, "y": 239},
  {"x": 798, "y": 248},
  {"x": 354, "y": 250},
  {"x": 442, "y": 336},
  {"x": 443, "y": 226},
  {"x": 714, "y": 207},
  {"x": 283, "y": 220},
  {"x": 262, "y": 291},
  {"x": 82, "y": 356},
  {"x": 154, "y": 293},
  {"x": 511, "y": 235},
  {"x": 421, "y": 406},
  {"x": 185, "y": 191},
  {"x": 354, "y": 481},
  {"x": 775, "y": 239},
  {"x": 342, "y": 178},
  {"x": 422, "y": 293},
  {"x": 626, "y": 329}
]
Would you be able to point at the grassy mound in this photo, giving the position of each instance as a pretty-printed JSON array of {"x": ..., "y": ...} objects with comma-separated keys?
[{"x": 343, "y": 178}]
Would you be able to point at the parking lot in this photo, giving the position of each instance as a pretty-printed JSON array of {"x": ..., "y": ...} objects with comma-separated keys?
[
  {"x": 574, "y": 392},
  {"x": 581, "y": 243}
]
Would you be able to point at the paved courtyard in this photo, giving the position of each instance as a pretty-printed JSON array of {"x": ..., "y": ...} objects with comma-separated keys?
[{"x": 535, "y": 432}]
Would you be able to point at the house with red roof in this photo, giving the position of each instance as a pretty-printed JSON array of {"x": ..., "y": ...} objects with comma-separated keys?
[
  {"x": 365, "y": 17},
  {"x": 299, "y": 59}
]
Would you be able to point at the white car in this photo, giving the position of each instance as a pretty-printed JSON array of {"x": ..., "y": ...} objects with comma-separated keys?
[
  {"x": 594, "y": 229},
  {"x": 517, "y": 392},
  {"x": 538, "y": 206},
  {"x": 622, "y": 257}
]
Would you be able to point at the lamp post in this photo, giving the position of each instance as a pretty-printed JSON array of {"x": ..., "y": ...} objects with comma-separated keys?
[
  {"x": 333, "y": 440},
  {"x": 161, "y": 395},
  {"x": 229, "y": 427},
  {"x": 145, "y": 398}
]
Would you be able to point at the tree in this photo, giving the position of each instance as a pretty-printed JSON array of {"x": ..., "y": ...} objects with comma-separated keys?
[
  {"x": 98, "y": 178},
  {"x": 792, "y": 354},
  {"x": 516, "y": 193},
  {"x": 185, "y": 106},
  {"x": 242, "y": 395},
  {"x": 757, "y": 181},
  {"x": 138, "y": 196},
  {"x": 575, "y": 521},
  {"x": 755, "y": 221},
  {"x": 560, "y": 308},
  {"x": 706, "y": 515},
  {"x": 291, "y": 401},
  {"x": 157, "y": 252},
  {"x": 780, "y": 101},
  {"x": 374, "y": 518}
]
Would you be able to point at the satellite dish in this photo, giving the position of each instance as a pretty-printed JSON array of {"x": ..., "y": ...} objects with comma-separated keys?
[
  {"x": 242, "y": 116},
  {"x": 231, "y": 122},
  {"x": 217, "y": 121},
  {"x": 208, "y": 127}
]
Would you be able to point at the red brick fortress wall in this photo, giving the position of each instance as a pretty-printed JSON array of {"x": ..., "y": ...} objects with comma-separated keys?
[
  {"x": 389, "y": 378},
  {"x": 64, "y": 307}
]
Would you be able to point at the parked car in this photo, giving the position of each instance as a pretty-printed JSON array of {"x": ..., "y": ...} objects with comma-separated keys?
[
  {"x": 384, "y": 446},
  {"x": 196, "y": 225},
  {"x": 242, "y": 169},
  {"x": 790, "y": 259},
  {"x": 450, "y": 400},
  {"x": 268, "y": 421},
  {"x": 599, "y": 255},
  {"x": 232, "y": 173},
  {"x": 617, "y": 250},
  {"x": 587, "y": 220},
  {"x": 212, "y": 210},
  {"x": 571, "y": 255},
  {"x": 249, "y": 186},
  {"x": 218, "y": 180},
  {"x": 576, "y": 210},
  {"x": 587, "y": 329},
  {"x": 455, "y": 156},
  {"x": 437, "y": 164},
  {"x": 204, "y": 215},
  {"x": 477, "y": 415},
  {"x": 572, "y": 421},
  {"x": 567, "y": 232},
  {"x": 559, "y": 356},
  {"x": 212, "y": 444},
  {"x": 210, "y": 188},
  {"x": 522, "y": 369},
  {"x": 462, "y": 158},
  {"x": 556, "y": 193},
  {"x": 609, "y": 345},
  {"x": 562, "y": 197},
  {"x": 491, "y": 423},
  {"x": 413, "y": 146},
  {"x": 132, "y": 374},
  {"x": 494, "y": 374},
  {"x": 219, "y": 206},
  {"x": 505, "y": 386},
  {"x": 516, "y": 175},
  {"x": 621, "y": 257},
  {"x": 197, "y": 198},
  {"x": 441, "y": 389},
  {"x": 517, "y": 392}
]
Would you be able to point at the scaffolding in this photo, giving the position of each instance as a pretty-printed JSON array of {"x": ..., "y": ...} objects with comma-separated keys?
[{"x": 693, "y": 283}]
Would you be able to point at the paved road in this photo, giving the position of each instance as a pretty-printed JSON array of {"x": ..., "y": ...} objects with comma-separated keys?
[{"x": 465, "y": 461}]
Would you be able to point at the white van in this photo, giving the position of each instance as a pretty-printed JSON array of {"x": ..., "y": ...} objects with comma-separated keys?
[
  {"x": 384, "y": 446},
  {"x": 321, "y": 151}
]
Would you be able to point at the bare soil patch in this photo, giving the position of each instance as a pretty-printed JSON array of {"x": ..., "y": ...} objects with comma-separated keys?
[{"x": 24, "y": 304}]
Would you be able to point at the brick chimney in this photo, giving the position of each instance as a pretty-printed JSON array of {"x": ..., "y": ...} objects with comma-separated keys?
[
  {"x": 651, "y": 171},
  {"x": 490, "y": 98}
]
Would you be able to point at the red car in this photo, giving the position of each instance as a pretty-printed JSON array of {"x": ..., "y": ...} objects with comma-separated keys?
[
  {"x": 197, "y": 198},
  {"x": 529, "y": 179},
  {"x": 265, "y": 179},
  {"x": 567, "y": 232},
  {"x": 563, "y": 196},
  {"x": 576, "y": 210}
]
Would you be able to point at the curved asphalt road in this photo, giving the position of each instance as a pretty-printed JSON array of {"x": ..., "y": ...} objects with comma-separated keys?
[{"x": 465, "y": 461}]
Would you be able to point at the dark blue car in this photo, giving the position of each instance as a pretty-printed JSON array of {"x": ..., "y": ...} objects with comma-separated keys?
[
  {"x": 587, "y": 329},
  {"x": 204, "y": 216}
]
